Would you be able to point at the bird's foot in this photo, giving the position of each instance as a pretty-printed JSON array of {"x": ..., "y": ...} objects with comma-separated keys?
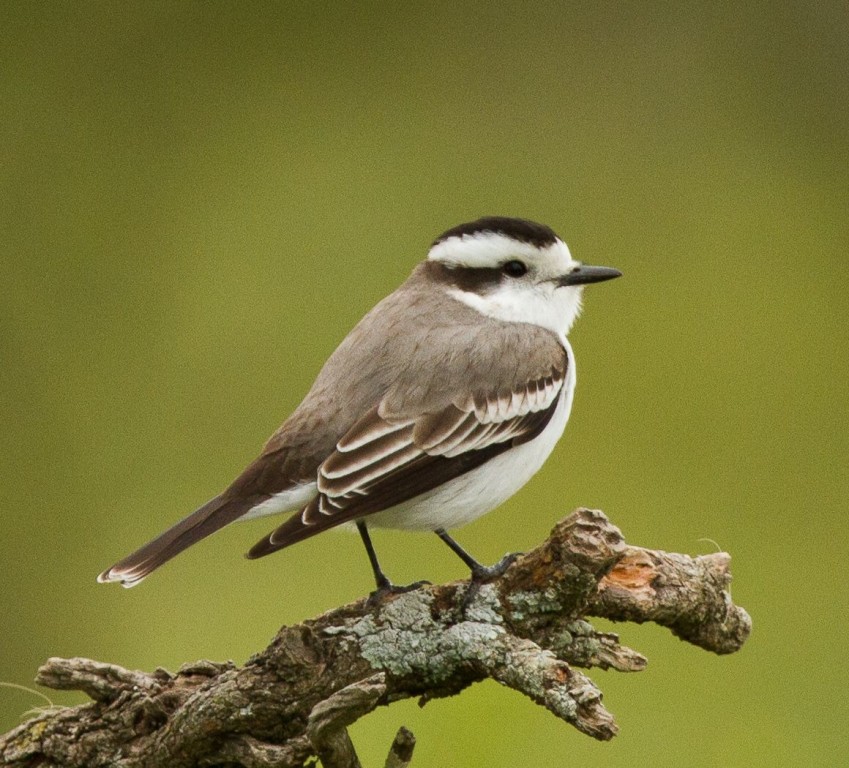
[
  {"x": 386, "y": 588},
  {"x": 481, "y": 574}
]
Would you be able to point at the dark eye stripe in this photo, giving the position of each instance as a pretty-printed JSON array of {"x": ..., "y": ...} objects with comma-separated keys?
[
  {"x": 475, "y": 279},
  {"x": 471, "y": 279}
]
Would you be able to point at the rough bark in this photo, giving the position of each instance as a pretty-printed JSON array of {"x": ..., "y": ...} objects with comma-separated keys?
[{"x": 295, "y": 699}]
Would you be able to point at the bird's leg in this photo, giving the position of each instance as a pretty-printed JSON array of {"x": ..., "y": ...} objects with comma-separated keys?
[
  {"x": 480, "y": 573},
  {"x": 380, "y": 578},
  {"x": 384, "y": 586}
]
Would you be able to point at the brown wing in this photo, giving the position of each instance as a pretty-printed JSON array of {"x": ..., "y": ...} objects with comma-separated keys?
[{"x": 384, "y": 461}]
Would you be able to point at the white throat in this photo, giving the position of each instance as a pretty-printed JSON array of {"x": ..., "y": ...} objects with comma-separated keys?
[
  {"x": 539, "y": 300},
  {"x": 555, "y": 312}
]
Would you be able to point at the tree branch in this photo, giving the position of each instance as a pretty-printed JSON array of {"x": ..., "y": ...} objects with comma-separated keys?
[{"x": 295, "y": 699}]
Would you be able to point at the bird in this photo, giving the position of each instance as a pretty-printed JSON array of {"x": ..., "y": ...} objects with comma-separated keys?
[{"x": 439, "y": 405}]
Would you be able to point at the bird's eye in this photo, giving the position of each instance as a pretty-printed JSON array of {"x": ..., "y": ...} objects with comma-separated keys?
[{"x": 515, "y": 268}]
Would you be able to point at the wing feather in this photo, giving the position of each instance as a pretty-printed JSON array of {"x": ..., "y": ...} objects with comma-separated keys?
[
  {"x": 444, "y": 430},
  {"x": 361, "y": 476},
  {"x": 381, "y": 462},
  {"x": 357, "y": 455},
  {"x": 353, "y": 440}
]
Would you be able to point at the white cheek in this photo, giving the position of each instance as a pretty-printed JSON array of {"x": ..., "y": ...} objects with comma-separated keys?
[{"x": 546, "y": 306}]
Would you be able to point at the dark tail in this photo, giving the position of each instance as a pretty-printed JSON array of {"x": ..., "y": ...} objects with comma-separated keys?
[{"x": 212, "y": 516}]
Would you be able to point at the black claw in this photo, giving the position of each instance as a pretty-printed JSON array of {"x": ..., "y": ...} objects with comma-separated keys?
[{"x": 484, "y": 573}]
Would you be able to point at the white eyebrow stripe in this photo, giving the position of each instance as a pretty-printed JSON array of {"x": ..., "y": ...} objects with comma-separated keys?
[{"x": 485, "y": 249}]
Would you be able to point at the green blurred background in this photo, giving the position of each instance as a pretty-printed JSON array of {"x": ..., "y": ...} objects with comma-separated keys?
[{"x": 198, "y": 200}]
